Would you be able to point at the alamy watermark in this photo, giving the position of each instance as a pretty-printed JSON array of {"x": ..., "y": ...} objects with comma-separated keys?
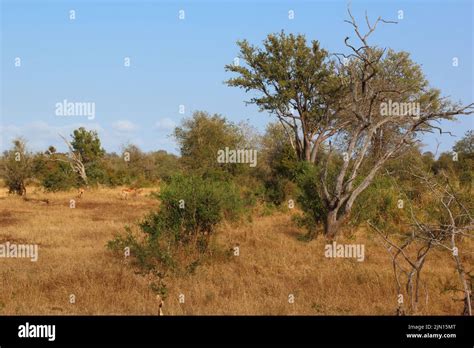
[
  {"x": 356, "y": 251},
  {"x": 392, "y": 108},
  {"x": 67, "y": 108},
  {"x": 237, "y": 156},
  {"x": 37, "y": 331},
  {"x": 11, "y": 250}
]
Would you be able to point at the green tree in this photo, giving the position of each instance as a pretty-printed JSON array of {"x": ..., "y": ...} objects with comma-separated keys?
[
  {"x": 201, "y": 137},
  {"x": 17, "y": 167},
  {"x": 279, "y": 164},
  {"x": 343, "y": 102},
  {"x": 166, "y": 165},
  {"x": 294, "y": 82},
  {"x": 85, "y": 155},
  {"x": 377, "y": 79},
  {"x": 464, "y": 165},
  {"x": 53, "y": 170},
  {"x": 87, "y": 144}
]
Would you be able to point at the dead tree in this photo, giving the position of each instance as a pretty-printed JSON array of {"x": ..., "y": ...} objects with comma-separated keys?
[
  {"x": 459, "y": 224},
  {"x": 319, "y": 100},
  {"x": 376, "y": 78},
  {"x": 453, "y": 223},
  {"x": 413, "y": 268},
  {"x": 75, "y": 161}
]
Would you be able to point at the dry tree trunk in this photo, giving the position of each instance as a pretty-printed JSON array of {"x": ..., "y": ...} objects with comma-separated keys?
[
  {"x": 466, "y": 287},
  {"x": 455, "y": 221},
  {"x": 75, "y": 161}
]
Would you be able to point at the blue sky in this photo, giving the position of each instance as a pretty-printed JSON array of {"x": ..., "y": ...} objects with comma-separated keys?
[{"x": 181, "y": 62}]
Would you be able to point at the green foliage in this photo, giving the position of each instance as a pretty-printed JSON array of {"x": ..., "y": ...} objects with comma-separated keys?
[
  {"x": 460, "y": 172},
  {"x": 87, "y": 143},
  {"x": 379, "y": 204},
  {"x": 251, "y": 189},
  {"x": 285, "y": 61},
  {"x": 17, "y": 167},
  {"x": 191, "y": 207},
  {"x": 146, "y": 256},
  {"x": 149, "y": 258},
  {"x": 466, "y": 145},
  {"x": 139, "y": 166},
  {"x": 310, "y": 200},
  {"x": 289, "y": 77},
  {"x": 177, "y": 236},
  {"x": 280, "y": 165},
  {"x": 201, "y": 137},
  {"x": 53, "y": 171},
  {"x": 165, "y": 165},
  {"x": 58, "y": 177},
  {"x": 138, "y": 169},
  {"x": 465, "y": 164},
  {"x": 95, "y": 172},
  {"x": 444, "y": 164},
  {"x": 116, "y": 171}
]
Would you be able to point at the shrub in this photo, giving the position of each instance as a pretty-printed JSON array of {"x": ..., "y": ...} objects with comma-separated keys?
[
  {"x": 59, "y": 176},
  {"x": 309, "y": 200},
  {"x": 379, "y": 204},
  {"x": 191, "y": 207},
  {"x": 53, "y": 171},
  {"x": 202, "y": 136},
  {"x": 279, "y": 189},
  {"x": 178, "y": 234},
  {"x": 16, "y": 168},
  {"x": 280, "y": 165}
]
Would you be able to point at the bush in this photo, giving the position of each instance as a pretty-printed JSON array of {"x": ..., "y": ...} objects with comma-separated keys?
[
  {"x": 379, "y": 204},
  {"x": 202, "y": 136},
  {"x": 16, "y": 167},
  {"x": 140, "y": 170},
  {"x": 59, "y": 176},
  {"x": 279, "y": 189},
  {"x": 53, "y": 171},
  {"x": 191, "y": 208},
  {"x": 280, "y": 166},
  {"x": 147, "y": 256},
  {"x": 310, "y": 200}
]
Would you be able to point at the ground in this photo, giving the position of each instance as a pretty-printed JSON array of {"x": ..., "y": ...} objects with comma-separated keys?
[{"x": 273, "y": 267}]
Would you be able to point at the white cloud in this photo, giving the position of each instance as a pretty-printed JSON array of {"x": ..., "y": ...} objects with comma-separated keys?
[
  {"x": 124, "y": 126},
  {"x": 39, "y": 135},
  {"x": 165, "y": 124}
]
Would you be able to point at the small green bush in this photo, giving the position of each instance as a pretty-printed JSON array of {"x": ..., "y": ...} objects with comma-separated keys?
[
  {"x": 16, "y": 167},
  {"x": 177, "y": 236},
  {"x": 58, "y": 176},
  {"x": 379, "y": 204},
  {"x": 191, "y": 207},
  {"x": 310, "y": 200}
]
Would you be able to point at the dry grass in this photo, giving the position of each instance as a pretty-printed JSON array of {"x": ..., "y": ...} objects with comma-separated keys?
[{"x": 272, "y": 264}]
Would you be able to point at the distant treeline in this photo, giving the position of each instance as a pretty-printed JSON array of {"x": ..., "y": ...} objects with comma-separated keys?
[{"x": 201, "y": 138}]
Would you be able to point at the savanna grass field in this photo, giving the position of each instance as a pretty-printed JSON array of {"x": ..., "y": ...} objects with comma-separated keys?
[
  {"x": 272, "y": 264},
  {"x": 307, "y": 163}
]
